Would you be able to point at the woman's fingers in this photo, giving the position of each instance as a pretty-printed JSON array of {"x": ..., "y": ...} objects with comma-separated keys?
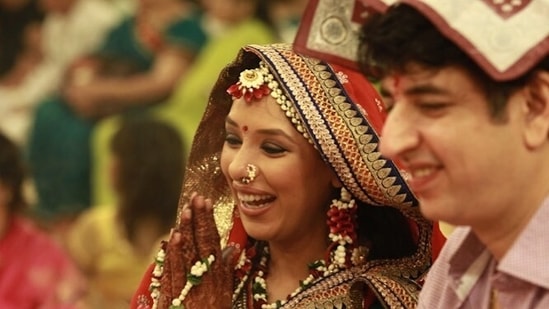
[
  {"x": 195, "y": 239},
  {"x": 206, "y": 235},
  {"x": 208, "y": 241},
  {"x": 166, "y": 284},
  {"x": 189, "y": 252},
  {"x": 170, "y": 280},
  {"x": 176, "y": 263}
]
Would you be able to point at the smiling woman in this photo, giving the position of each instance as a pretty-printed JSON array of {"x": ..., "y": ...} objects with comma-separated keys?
[
  {"x": 283, "y": 199},
  {"x": 309, "y": 214}
]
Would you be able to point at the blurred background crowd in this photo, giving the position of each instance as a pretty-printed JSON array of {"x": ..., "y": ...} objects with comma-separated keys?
[{"x": 99, "y": 100}]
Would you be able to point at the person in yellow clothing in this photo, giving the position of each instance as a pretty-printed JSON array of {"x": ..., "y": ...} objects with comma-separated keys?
[{"x": 113, "y": 245}]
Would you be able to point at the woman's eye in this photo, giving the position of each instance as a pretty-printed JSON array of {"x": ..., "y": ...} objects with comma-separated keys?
[
  {"x": 273, "y": 149},
  {"x": 232, "y": 139}
]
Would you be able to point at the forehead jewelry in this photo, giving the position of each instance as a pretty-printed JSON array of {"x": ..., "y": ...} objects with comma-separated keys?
[
  {"x": 251, "y": 171},
  {"x": 254, "y": 84}
]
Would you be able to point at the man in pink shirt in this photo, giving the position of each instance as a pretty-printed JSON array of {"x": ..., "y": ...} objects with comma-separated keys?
[{"x": 467, "y": 87}]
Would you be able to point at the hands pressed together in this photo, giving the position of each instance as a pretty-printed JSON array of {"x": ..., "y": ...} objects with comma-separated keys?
[{"x": 196, "y": 239}]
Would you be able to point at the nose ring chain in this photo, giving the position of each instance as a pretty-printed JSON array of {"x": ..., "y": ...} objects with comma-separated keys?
[{"x": 251, "y": 171}]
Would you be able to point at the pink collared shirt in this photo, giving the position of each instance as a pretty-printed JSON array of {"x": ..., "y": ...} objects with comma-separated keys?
[{"x": 465, "y": 272}]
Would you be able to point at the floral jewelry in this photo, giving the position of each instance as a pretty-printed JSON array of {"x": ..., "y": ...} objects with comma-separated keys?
[
  {"x": 251, "y": 171},
  {"x": 317, "y": 271},
  {"x": 251, "y": 85},
  {"x": 243, "y": 268},
  {"x": 343, "y": 253},
  {"x": 342, "y": 224},
  {"x": 194, "y": 277},
  {"x": 259, "y": 82},
  {"x": 154, "y": 287}
]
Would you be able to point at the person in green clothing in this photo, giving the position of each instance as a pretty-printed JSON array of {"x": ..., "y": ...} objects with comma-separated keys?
[
  {"x": 137, "y": 67},
  {"x": 229, "y": 25}
]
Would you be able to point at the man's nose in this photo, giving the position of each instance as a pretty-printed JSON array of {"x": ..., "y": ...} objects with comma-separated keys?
[{"x": 399, "y": 133}]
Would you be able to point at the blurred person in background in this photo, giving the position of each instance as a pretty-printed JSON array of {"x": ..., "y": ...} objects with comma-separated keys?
[
  {"x": 15, "y": 110},
  {"x": 112, "y": 244},
  {"x": 35, "y": 271},
  {"x": 286, "y": 16},
  {"x": 37, "y": 53},
  {"x": 136, "y": 68},
  {"x": 228, "y": 24},
  {"x": 14, "y": 17}
]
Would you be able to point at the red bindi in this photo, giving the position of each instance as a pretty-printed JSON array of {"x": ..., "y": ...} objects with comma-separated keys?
[{"x": 244, "y": 128}]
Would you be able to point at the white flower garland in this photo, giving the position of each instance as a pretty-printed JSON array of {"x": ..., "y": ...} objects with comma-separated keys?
[
  {"x": 194, "y": 277},
  {"x": 259, "y": 286},
  {"x": 339, "y": 255},
  {"x": 154, "y": 287},
  {"x": 318, "y": 269}
]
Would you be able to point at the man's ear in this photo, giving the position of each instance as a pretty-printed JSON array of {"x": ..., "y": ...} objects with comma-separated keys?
[{"x": 537, "y": 106}]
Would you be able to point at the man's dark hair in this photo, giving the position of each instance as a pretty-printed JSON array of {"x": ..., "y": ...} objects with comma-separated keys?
[{"x": 391, "y": 41}]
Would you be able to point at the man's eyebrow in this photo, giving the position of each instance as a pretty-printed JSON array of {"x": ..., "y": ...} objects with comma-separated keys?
[
  {"x": 416, "y": 90},
  {"x": 426, "y": 89}
]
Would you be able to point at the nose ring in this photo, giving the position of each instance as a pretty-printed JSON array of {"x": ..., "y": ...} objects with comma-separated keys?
[{"x": 251, "y": 171}]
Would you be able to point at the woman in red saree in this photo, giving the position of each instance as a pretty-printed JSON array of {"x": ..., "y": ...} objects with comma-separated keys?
[{"x": 309, "y": 214}]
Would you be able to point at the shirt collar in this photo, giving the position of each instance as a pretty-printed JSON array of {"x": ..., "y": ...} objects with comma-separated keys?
[
  {"x": 468, "y": 258},
  {"x": 527, "y": 257}
]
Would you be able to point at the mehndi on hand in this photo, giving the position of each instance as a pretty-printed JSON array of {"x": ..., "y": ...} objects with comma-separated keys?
[{"x": 195, "y": 242}]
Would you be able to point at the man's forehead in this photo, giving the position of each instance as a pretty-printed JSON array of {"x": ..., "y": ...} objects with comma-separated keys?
[
  {"x": 423, "y": 80},
  {"x": 406, "y": 78}
]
